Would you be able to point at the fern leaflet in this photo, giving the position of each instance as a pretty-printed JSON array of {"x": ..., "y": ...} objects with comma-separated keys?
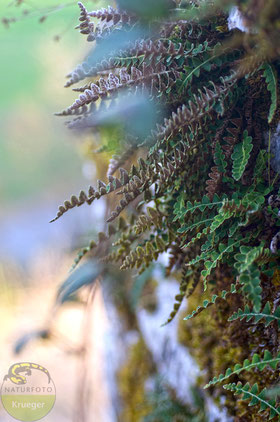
[
  {"x": 241, "y": 156},
  {"x": 270, "y": 76}
]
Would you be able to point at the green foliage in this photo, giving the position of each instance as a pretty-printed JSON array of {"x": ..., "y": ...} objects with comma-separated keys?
[
  {"x": 249, "y": 273},
  {"x": 217, "y": 255},
  {"x": 265, "y": 315},
  {"x": 256, "y": 362},
  {"x": 210, "y": 302},
  {"x": 270, "y": 75},
  {"x": 255, "y": 397},
  {"x": 197, "y": 206},
  {"x": 167, "y": 408},
  {"x": 240, "y": 156}
]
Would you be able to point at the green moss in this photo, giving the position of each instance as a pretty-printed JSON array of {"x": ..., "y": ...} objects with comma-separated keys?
[
  {"x": 132, "y": 377},
  {"x": 217, "y": 345}
]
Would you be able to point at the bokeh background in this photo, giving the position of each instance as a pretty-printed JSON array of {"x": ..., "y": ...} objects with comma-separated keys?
[{"x": 41, "y": 165}]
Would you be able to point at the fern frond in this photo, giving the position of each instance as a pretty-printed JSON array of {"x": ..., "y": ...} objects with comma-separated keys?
[
  {"x": 163, "y": 173},
  {"x": 250, "y": 314},
  {"x": 146, "y": 254},
  {"x": 199, "y": 206},
  {"x": 118, "y": 161},
  {"x": 185, "y": 228},
  {"x": 110, "y": 18},
  {"x": 250, "y": 279},
  {"x": 102, "y": 237},
  {"x": 219, "y": 158},
  {"x": 257, "y": 362},
  {"x": 83, "y": 252},
  {"x": 270, "y": 75},
  {"x": 191, "y": 116},
  {"x": 246, "y": 257},
  {"x": 213, "y": 183},
  {"x": 216, "y": 256},
  {"x": 186, "y": 277},
  {"x": 210, "y": 302},
  {"x": 102, "y": 189},
  {"x": 149, "y": 51},
  {"x": 144, "y": 221},
  {"x": 226, "y": 211},
  {"x": 255, "y": 397},
  {"x": 112, "y": 15},
  {"x": 241, "y": 155},
  {"x": 85, "y": 26},
  {"x": 249, "y": 273},
  {"x": 146, "y": 77}
]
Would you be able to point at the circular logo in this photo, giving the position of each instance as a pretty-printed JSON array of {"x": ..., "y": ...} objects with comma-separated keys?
[{"x": 28, "y": 392}]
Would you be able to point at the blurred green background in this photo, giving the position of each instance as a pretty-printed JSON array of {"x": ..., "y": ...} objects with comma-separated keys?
[
  {"x": 37, "y": 152},
  {"x": 41, "y": 160},
  {"x": 41, "y": 165}
]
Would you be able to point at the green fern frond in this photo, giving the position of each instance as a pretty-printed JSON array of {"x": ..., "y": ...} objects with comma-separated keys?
[
  {"x": 249, "y": 273},
  {"x": 246, "y": 257},
  {"x": 265, "y": 314},
  {"x": 199, "y": 205},
  {"x": 224, "y": 213},
  {"x": 255, "y": 397},
  {"x": 215, "y": 256},
  {"x": 210, "y": 302},
  {"x": 82, "y": 253},
  {"x": 270, "y": 75},
  {"x": 195, "y": 225},
  {"x": 241, "y": 155},
  {"x": 257, "y": 362}
]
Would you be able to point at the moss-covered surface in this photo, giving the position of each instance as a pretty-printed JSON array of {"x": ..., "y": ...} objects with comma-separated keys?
[
  {"x": 132, "y": 377},
  {"x": 217, "y": 344}
]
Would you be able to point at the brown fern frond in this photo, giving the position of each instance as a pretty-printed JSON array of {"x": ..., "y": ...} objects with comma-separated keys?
[
  {"x": 102, "y": 189},
  {"x": 128, "y": 197},
  {"x": 154, "y": 51},
  {"x": 113, "y": 15},
  {"x": 86, "y": 26},
  {"x": 85, "y": 70},
  {"x": 102, "y": 239},
  {"x": 164, "y": 172},
  {"x": 109, "y": 18},
  {"x": 75, "y": 202},
  {"x": 148, "y": 78},
  {"x": 191, "y": 116},
  {"x": 144, "y": 222},
  {"x": 146, "y": 254},
  {"x": 180, "y": 296},
  {"x": 233, "y": 132},
  {"x": 176, "y": 258},
  {"x": 118, "y": 161},
  {"x": 213, "y": 183}
]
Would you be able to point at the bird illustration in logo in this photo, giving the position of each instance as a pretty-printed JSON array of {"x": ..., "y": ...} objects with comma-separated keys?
[{"x": 26, "y": 367}]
